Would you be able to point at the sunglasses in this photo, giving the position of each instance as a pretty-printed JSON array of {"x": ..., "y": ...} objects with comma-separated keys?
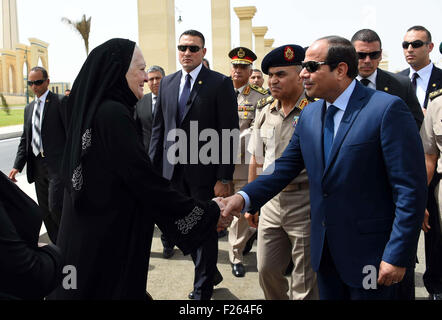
[
  {"x": 415, "y": 44},
  {"x": 183, "y": 48},
  {"x": 312, "y": 66},
  {"x": 372, "y": 55},
  {"x": 36, "y": 82}
]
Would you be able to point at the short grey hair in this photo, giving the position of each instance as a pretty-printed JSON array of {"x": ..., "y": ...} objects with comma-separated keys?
[{"x": 156, "y": 69}]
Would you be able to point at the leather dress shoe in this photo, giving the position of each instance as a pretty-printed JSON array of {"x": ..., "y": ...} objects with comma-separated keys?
[
  {"x": 217, "y": 279},
  {"x": 238, "y": 270},
  {"x": 249, "y": 244},
  {"x": 168, "y": 253}
]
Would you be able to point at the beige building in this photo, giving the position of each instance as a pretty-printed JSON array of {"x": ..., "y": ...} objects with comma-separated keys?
[{"x": 59, "y": 87}]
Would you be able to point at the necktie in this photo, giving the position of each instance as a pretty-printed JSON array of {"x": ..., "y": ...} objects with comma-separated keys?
[
  {"x": 36, "y": 129},
  {"x": 414, "y": 79},
  {"x": 365, "y": 82},
  {"x": 182, "y": 102},
  {"x": 237, "y": 93},
  {"x": 329, "y": 131}
]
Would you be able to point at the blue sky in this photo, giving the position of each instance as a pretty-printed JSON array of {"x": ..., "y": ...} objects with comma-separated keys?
[{"x": 289, "y": 21}]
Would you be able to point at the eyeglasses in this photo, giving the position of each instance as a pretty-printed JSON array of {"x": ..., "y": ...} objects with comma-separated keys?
[
  {"x": 415, "y": 44},
  {"x": 183, "y": 48},
  {"x": 36, "y": 82},
  {"x": 373, "y": 55},
  {"x": 312, "y": 66}
]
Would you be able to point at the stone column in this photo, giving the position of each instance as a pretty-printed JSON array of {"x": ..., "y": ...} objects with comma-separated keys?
[
  {"x": 268, "y": 45},
  {"x": 156, "y": 33},
  {"x": 5, "y": 74},
  {"x": 259, "y": 33},
  {"x": 9, "y": 25},
  {"x": 245, "y": 15},
  {"x": 221, "y": 37}
]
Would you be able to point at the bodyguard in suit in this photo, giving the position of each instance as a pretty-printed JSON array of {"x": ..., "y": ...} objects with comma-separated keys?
[
  {"x": 424, "y": 75},
  {"x": 369, "y": 50},
  {"x": 41, "y": 149},
  {"x": 191, "y": 103},
  {"x": 427, "y": 78},
  {"x": 366, "y": 169}
]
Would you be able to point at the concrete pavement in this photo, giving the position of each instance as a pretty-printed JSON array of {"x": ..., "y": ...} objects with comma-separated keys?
[{"x": 172, "y": 279}]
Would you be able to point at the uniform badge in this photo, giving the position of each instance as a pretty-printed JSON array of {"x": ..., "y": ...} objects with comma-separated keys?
[
  {"x": 289, "y": 54},
  {"x": 295, "y": 121},
  {"x": 241, "y": 53},
  {"x": 200, "y": 82},
  {"x": 303, "y": 103}
]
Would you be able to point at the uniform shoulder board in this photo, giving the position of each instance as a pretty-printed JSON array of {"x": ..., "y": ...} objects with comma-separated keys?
[
  {"x": 259, "y": 89},
  {"x": 264, "y": 101},
  {"x": 435, "y": 94}
]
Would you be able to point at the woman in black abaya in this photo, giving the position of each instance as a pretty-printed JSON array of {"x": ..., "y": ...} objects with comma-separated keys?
[{"x": 114, "y": 196}]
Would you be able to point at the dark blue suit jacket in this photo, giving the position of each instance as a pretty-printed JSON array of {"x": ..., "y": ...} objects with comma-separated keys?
[{"x": 370, "y": 199}]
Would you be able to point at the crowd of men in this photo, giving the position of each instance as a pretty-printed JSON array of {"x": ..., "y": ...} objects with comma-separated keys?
[{"x": 330, "y": 175}]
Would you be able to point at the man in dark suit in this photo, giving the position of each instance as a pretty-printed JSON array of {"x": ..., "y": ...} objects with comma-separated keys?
[
  {"x": 427, "y": 78},
  {"x": 369, "y": 49},
  {"x": 41, "y": 149},
  {"x": 366, "y": 169},
  {"x": 144, "y": 111},
  {"x": 192, "y": 103}
]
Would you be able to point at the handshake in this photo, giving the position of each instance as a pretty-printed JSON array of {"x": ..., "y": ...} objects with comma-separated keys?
[{"x": 229, "y": 207}]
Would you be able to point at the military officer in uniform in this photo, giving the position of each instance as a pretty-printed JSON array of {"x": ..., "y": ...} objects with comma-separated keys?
[
  {"x": 284, "y": 222},
  {"x": 431, "y": 132},
  {"x": 248, "y": 96}
]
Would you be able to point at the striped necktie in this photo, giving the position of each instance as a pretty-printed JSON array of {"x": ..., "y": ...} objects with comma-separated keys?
[{"x": 36, "y": 129}]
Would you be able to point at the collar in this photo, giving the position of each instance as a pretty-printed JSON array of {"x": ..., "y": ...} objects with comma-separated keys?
[
  {"x": 241, "y": 89},
  {"x": 342, "y": 101},
  {"x": 43, "y": 96},
  {"x": 424, "y": 73},
  {"x": 194, "y": 73},
  {"x": 371, "y": 77},
  {"x": 300, "y": 104}
]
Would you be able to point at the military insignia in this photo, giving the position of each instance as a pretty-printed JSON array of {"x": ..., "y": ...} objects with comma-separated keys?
[
  {"x": 289, "y": 54},
  {"x": 263, "y": 102},
  {"x": 386, "y": 89},
  {"x": 241, "y": 53},
  {"x": 434, "y": 85},
  {"x": 303, "y": 103},
  {"x": 435, "y": 94},
  {"x": 295, "y": 121},
  {"x": 246, "y": 91},
  {"x": 246, "y": 102},
  {"x": 259, "y": 89}
]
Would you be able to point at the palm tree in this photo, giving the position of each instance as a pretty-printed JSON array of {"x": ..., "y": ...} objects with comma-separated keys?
[{"x": 83, "y": 27}]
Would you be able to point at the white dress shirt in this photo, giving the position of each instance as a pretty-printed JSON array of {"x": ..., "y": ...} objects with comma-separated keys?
[
  {"x": 42, "y": 107},
  {"x": 422, "y": 81},
  {"x": 372, "y": 79},
  {"x": 154, "y": 101},
  {"x": 194, "y": 74}
]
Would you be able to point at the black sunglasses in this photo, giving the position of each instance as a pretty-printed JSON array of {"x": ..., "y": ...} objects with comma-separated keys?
[
  {"x": 312, "y": 66},
  {"x": 372, "y": 55},
  {"x": 183, "y": 48},
  {"x": 36, "y": 82},
  {"x": 415, "y": 44}
]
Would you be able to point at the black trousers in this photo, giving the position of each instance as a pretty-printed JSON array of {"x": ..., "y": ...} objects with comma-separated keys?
[
  {"x": 49, "y": 190},
  {"x": 206, "y": 256},
  {"x": 433, "y": 243}
]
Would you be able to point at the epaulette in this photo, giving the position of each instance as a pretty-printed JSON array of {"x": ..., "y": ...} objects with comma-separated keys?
[
  {"x": 435, "y": 94},
  {"x": 261, "y": 90},
  {"x": 264, "y": 101}
]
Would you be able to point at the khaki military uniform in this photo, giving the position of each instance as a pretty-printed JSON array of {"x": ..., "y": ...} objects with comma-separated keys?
[
  {"x": 284, "y": 223},
  {"x": 431, "y": 134},
  {"x": 239, "y": 230}
]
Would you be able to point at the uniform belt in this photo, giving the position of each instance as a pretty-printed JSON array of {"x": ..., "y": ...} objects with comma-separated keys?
[{"x": 296, "y": 186}]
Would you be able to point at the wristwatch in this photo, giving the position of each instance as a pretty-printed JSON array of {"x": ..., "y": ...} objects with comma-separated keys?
[{"x": 225, "y": 181}]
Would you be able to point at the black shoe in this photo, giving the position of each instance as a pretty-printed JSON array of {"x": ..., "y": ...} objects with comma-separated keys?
[
  {"x": 238, "y": 270},
  {"x": 222, "y": 233},
  {"x": 289, "y": 269},
  {"x": 191, "y": 295},
  {"x": 217, "y": 278},
  {"x": 435, "y": 296},
  {"x": 168, "y": 253},
  {"x": 249, "y": 244}
]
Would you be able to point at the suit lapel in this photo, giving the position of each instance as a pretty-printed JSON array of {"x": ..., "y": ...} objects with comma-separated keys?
[
  {"x": 354, "y": 106},
  {"x": 47, "y": 102},
  {"x": 382, "y": 81},
  {"x": 174, "y": 94},
  {"x": 433, "y": 83}
]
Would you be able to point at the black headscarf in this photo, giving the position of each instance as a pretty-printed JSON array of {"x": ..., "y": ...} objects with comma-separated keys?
[{"x": 103, "y": 76}]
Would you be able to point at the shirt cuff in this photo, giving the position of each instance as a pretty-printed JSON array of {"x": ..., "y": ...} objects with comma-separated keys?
[{"x": 247, "y": 205}]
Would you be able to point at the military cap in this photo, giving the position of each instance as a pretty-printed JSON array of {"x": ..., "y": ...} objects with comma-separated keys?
[
  {"x": 242, "y": 55},
  {"x": 286, "y": 55},
  {"x": 440, "y": 47}
]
